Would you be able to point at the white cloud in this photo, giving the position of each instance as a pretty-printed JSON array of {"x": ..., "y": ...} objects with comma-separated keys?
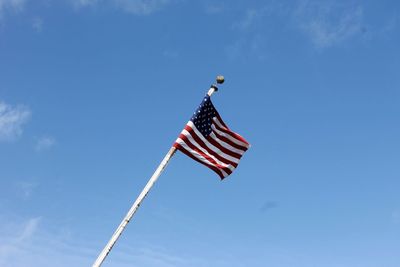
[
  {"x": 12, "y": 118},
  {"x": 141, "y": 7},
  {"x": 247, "y": 46},
  {"x": 249, "y": 19},
  {"x": 14, "y": 4},
  {"x": 255, "y": 17},
  {"x": 325, "y": 22},
  {"x": 84, "y": 3},
  {"x": 45, "y": 243},
  {"x": 25, "y": 189},
  {"x": 171, "y": 54},
  {"x": 37, "y": 24},
  {"x": 253, "y": 32},
  {"x": 11, "y": 5},
  {"x": 14, "y": 238},
  {"x": 45, "y": 143},
  {"x": 328, "y": 23},
  {"x": 214, "y": 8},
  {"x": 136, "y": 7},
  {"x": 28, "y": 230},
  {"x": 29, "y": 244}
]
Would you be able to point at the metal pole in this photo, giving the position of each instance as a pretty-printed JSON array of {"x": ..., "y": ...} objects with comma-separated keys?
[{"x": 100, "y": 259}]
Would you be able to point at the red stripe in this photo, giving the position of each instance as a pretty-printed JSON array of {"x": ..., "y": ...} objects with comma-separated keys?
[
  {"x": 216, "y": 170},
  {"x": 226, "y": 140},
  {"x": 223, "y": 149},
  {"x": 228, "y": 131},
  {"x": 203, "y": 145},
  {"x": 208, "y": 158},
  {"x": 220, "y": 119}
]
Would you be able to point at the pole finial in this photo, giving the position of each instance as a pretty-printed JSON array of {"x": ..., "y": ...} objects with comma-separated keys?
[
  {"x": 214, "y": 87},
  {"x": 220, "y": 79}
]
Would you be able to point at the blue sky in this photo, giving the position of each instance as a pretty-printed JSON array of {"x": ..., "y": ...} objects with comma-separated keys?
[{"x": 94, "y": 92}]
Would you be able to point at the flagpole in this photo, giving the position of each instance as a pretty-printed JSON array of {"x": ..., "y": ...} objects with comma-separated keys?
[{"x": 102, "y": 256}]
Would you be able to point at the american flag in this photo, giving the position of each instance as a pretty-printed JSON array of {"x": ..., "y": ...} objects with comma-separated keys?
[{"x": 208, "y": 140}]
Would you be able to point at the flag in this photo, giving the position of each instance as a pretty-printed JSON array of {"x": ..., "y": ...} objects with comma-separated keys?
[{"x": 208, "y": 140}]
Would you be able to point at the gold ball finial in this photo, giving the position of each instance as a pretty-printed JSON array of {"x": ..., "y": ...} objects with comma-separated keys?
[{"x": 220, "y": 79}]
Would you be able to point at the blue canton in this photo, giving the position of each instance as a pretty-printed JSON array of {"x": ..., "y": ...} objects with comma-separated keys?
[{"x": 203, "y": 117}]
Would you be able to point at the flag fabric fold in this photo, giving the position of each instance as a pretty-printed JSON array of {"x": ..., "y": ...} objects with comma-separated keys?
[{"x": 208, "y": 140}]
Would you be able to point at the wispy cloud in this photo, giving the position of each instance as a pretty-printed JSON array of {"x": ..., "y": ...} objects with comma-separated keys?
[
  {"x": 11, "y": 5},
  {"x": 136, "y": 7},
  {"x": 236, "y": 49},
  {"x": 37, "y": 24},
  {"x": 328, "y": 23},
  {"x": 12, "y": 118},
  {"x": 254, "y": 17},
  {"x": 29, "y": 243},
  {"x": 249, "y": 18},
  {"x": 214, "y": 8},
  {"x": 25, "y": 189},
  {"x": 14, "y": 238},
  {"x": 38, "y": 241},
  {"x": 141, "y": 7},
  {"x": 252, "y": 30},
  {"x": 247, "y": 45},
  {"x": 170, "y": 54},
  {"x": 45, "y": 143},
  {"x": 84, "y": 3},
  {"x": 325, "y": 23},
  {"x": 28, "y": 230}
]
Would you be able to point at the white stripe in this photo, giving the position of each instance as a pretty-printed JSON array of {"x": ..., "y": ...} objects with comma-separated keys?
[
  {"x": 191, "y": 140},
  {"x": 211, "y": 146},
  {"x": 226, "y": 145},
  {"x": 198, "y": 156},
  {"x": 233, "y": 139},
  {"x": 193, "y": 152}
]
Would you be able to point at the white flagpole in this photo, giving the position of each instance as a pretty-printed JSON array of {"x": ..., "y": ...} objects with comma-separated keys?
[{"x": 102, "y": 256}]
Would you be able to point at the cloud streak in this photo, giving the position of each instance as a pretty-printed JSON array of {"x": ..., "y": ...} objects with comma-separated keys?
[
  {"x": 37, "y": 24},
  {"x": 12, "y": 118},
  {"x": 249, "y": 18},
  {"x": 11, "y": 245},
  {"x": 25, "y": 189},
  {"x": 11, "y": 5},
  {"x": 28, "y": 244},
  {"x": 136, "y": 7},
  {"x": 214, "y": 8},
  {"x": 84, "y": 3},
  {"x": 325, "y": 24},
  {"x": 141, "y": 7},
  {"x": 328, "y": 23},
  {"x": 45, "y": 143}
]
